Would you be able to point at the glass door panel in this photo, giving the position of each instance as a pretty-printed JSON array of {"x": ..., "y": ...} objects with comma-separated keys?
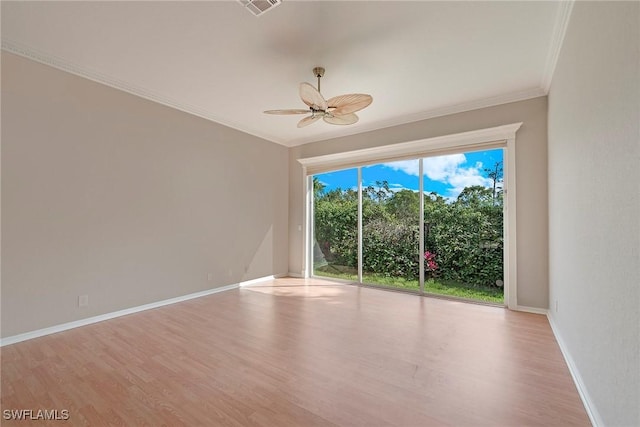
[
  {"x": 335, "y": 224},
  {"x": 463, "y": 222},
  {"x": 390, "y": 224}
]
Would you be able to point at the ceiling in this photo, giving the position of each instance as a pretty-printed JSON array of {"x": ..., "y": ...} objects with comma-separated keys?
[{"x": 418, "y": 59}]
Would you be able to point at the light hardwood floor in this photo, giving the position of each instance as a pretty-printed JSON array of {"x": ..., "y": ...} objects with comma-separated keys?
[{"x": 295, "y": 352}]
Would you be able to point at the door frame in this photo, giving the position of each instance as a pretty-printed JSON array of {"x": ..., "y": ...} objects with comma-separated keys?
[{"x": 496, "y": 137}]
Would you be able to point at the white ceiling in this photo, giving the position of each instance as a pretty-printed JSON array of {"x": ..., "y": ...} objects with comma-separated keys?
[{"x": 417, "y": 59}]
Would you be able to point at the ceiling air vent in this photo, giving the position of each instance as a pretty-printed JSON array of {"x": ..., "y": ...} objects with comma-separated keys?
[{"x": 259, "y": 7}]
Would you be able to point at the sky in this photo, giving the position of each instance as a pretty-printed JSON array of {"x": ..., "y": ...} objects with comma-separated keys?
[{"x": 446, "y": 175}]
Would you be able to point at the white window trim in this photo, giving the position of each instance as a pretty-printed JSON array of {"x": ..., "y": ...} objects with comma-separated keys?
[{"x": 496, "y": 137}]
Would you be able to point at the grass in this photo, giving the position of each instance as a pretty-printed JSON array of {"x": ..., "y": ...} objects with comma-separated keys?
[{"x": 433, "y": 286}]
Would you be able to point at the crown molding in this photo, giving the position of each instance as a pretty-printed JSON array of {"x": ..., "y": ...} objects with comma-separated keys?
[
  {"x": 93, "y": 75},
  {"x": 557, "y": 38}
]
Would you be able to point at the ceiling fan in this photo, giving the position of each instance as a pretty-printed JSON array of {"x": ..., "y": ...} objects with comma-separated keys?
[{"x": 339, "y": 110}]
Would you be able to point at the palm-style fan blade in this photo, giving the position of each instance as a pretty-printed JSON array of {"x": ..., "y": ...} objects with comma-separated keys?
[
  {"x": 312, "y": 97},
  {"x": 291, "y": 111},
  {"x": 344, "y": 119},
  {"x": 308, "y": 120},
  {"x": 345, "y": 104}
]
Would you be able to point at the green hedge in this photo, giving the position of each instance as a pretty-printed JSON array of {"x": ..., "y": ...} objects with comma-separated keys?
[{"x": 465, "y": 235}]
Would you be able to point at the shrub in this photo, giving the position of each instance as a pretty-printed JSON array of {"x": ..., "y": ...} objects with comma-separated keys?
[
  {"x": 390, "y": 248},
  {"x": 463, "y": 239}
]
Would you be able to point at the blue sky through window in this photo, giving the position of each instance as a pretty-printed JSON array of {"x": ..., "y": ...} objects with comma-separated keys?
[{"x": 446, "y": 175}]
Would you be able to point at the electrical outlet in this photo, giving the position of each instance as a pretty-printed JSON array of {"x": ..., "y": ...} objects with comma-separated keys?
[
  {"x": 210, "y": 276},
  {"x": 83, "y": 300}
]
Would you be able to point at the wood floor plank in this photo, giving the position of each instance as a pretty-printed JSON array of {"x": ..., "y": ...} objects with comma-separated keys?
[{"x": 295, "y": 352}]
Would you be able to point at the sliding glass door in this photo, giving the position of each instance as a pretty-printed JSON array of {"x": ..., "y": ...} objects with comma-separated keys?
[{"x": 433, "y": 225}]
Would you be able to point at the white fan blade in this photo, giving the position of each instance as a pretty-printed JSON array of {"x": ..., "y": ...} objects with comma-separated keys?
[
  {"x": 344, "y": 119},
  {"x": 312, "y": 97},
  {"x": 345, "y": 104},
  {"x": 308, "y": 120},
  {"x": 291, "y": 111}
]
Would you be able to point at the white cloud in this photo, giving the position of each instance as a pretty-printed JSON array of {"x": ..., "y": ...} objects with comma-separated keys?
[
  {"x": 410, "y": 167},
  {"x": 394, "y": 188},
  {"x": 448, "y": 170},
  {"x": 466, "y": 177},
  {"x": 441, "y": 168}
]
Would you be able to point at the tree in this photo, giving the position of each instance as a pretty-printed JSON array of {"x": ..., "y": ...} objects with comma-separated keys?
[
  {"x": 475, "y": 196},
  {"x": 318, "y": 188},
  {"x": 495, "y": 174},
  {"x": 463, "y": 236},
  {"x": 404, "y": 204},
  {"x": 379, "y": 194}
]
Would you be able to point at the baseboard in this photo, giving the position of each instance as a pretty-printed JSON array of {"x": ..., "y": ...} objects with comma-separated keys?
[
  {"x": 534, "y": 310},
  {"x": 261, "y": 279},
  {"x": 592, "y": 412},
  {"x": 295, "y": 275},
  {"x": 102, "y": 317}
]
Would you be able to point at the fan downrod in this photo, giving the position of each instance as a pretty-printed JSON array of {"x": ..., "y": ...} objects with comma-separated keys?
[{"x": 318, "y": 72}]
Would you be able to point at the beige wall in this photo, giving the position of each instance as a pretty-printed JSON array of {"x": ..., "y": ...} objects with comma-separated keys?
[
  {"x": 130, "y": 202},
  {"x": 594, "y": 205},
  {"x": 531, "y": 169}
]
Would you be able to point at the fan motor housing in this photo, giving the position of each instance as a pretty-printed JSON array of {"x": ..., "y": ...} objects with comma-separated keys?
[{"x": 258, "y": 7}]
